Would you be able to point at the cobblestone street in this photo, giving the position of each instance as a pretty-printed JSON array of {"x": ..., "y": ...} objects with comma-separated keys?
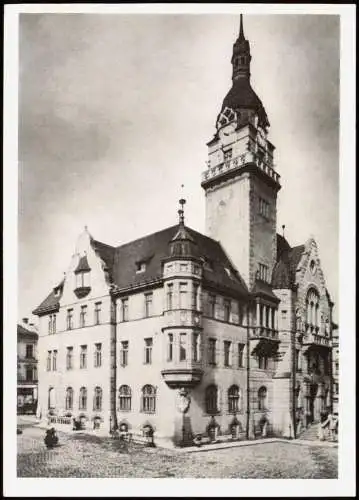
[{"x": 88, "y": 456}]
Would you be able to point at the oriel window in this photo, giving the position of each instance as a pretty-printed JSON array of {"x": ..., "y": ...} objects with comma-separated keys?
[
  {"x": 170, "y": 347},
  {"x": 183, "y": 347},
  {"x": 169, "y": 296}
]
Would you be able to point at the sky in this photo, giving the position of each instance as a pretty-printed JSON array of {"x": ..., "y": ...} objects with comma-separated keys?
[{"x": 115, "y": 112}]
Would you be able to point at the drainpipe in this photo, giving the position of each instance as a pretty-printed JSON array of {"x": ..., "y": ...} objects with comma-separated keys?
[
  {"x": 113, "y": 365},
  {"x": 293, "y": 369},
  {"x": 248, "y": 373}
]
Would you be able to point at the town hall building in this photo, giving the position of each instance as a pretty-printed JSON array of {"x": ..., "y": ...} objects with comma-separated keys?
[{"x": 222, "y": 335}]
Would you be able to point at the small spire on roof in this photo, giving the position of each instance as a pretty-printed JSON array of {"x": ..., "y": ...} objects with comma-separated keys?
[
  {"x": 182, "y": 201},
  {"x": 241, "y": 32},
  {"x": 283, "y": 227}
]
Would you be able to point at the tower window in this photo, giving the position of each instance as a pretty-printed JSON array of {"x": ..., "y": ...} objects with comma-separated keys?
[
  {"x": 263, "y": 272},
  {"x": 264, "y": 208}
]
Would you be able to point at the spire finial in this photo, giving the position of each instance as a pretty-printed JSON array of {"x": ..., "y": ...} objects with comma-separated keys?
[
  {"x": 241, "y": 32},
  {"x": 283, "y": 227},
  {"x": 182, "y": 201}
]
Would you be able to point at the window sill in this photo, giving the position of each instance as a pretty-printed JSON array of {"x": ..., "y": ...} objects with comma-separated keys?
[
  {"x": 124, "y": 411},
  {"x": 148, "y": 412}
]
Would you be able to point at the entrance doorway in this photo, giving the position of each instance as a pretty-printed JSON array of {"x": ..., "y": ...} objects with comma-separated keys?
[{"x": 313, "y": 406}]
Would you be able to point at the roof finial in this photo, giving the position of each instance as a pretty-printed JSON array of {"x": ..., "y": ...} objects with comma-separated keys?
[
  {"x": 241, "y": 32},
  {"x": 182, "y": 201},
  {"x": 283, "y": 227}
]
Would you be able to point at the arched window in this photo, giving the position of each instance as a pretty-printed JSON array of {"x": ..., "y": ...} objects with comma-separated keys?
[
  {"x": 234, "y": 397},
  {"x": 212, "y": 399},
  {"x": 148, "y": 399},
  {"x": 124, "y": 398},
  {"x": 69, "y": 401},
  {"x": 97, "y": 400},
  {"x": 83, "y": 399},
  {"x": 51, "y": 398},
  {"x": 262, "y": 398},
  {"x": 312, "y": 305}
]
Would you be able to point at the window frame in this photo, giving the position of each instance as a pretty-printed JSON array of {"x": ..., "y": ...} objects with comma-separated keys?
[
  {"x": 148, "y": 399},
  {"x": 124, "y": 398},
  {"x": 212, "y": 399}
]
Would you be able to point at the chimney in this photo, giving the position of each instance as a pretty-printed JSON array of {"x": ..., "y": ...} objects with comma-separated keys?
[{"x": 25, "y": 320}]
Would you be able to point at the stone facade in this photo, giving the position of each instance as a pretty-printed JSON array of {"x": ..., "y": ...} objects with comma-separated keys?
[{"x": 227, "y": 336}]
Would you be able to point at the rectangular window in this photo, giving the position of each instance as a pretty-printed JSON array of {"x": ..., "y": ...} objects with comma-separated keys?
[
  {"x": 263, "y": 362},
  {"x": 212, "y": 351},
  {"x": 169, "y": 297},
  {"x": 98, "y": 355},
  {"x": 211, "y": 305},
  {"x": 29, "y": 374},
  {"x": 69, "y": 319},
  {"x": 227, "y": 353},
  {"x": 83, "y": 313},
  {"x": 29, "y": 350},
  {"x": 148, "y": 304},
  {"x": 148, "y": 351},
  {"x": 297, "y": 360},
  {"x": 183, "y": 267},
  {"x": 227, "y": 310},
  {"x": 196, "y": 347},
  {"x": 52, "y": 323},
  {"x": 98, "y": 313},
  {"x": 124, "y": 309},
  {"x": 263, "y": 207},
  {"x": 69, "y": 354},
  {"x": 195, "y": 297},
  {"x": 183, "y": 347},
  {"x": 183, "y": 296},
  {"x": 83, "y": 356},
  {"x": 48, "y": 361},
  {"x": 54, "y": 360},
  {"x": 227, "y": 155},
  {"x": 240, "y": 355},
  {"x": 124, "y": 353},
  {"x": 263, "y": 272},
  {"x": 170, "y": 347}
]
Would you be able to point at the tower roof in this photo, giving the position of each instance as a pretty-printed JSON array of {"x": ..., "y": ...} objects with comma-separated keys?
[{"x": 241, "y": 95}]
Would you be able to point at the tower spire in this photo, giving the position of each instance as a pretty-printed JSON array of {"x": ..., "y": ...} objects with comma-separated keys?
[
  {"x": 182, "y": 201},
  {"x": 241, "y": 32}
]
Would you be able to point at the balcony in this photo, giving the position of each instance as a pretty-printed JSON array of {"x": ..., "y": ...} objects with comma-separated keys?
[
  {"x": 185, "y": 374},
  {"x": 238, "y": 162},
  {"x": 26, "y": 380},
  {"x": 314, "y": 339},
  {"x": 182, "y": 317},
  {"x": 262, "y": 332}
]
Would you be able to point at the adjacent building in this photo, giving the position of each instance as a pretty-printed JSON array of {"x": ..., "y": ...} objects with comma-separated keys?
[
  {"x": 226, "y": 334},
  {"x": 27, "y": 339},
  {"x": 336, "y": 351}
]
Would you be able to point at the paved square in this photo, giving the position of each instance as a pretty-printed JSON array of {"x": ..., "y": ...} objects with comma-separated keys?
[{"x": 87, "y": 456}]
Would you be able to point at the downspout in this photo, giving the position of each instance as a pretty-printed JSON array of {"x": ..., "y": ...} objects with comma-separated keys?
[
  {"x": 293, "y": 368},
  {"x": 248, "y": 372},
  {"x": 113, "y": 365}
]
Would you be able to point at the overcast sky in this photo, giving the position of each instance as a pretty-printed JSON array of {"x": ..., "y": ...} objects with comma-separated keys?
[{"x": 115, "y": 112}]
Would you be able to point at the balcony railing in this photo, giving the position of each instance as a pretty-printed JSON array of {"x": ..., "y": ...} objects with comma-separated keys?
[
  {"x": 259, "y": 332},
  {"x": 26, "y": 380},
  {"x": 182, "y": 317},
  {"x": 241, "y": 160},
  {"x": 315, "y": 339}
]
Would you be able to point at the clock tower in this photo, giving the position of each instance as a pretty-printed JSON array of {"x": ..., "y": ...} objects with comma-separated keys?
[{"x": 240, "y": 182}]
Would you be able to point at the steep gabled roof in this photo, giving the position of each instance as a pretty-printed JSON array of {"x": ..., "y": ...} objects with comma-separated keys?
[
  {"x": 52, "y": 301},
  {"x": 121, "y": 263},
  {"x": 288, "y": 258}
]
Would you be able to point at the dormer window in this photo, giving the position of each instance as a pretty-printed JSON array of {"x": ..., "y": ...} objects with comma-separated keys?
[
  {"x": 82, "y": 277},
  {"x": 140, "y": 267}
]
